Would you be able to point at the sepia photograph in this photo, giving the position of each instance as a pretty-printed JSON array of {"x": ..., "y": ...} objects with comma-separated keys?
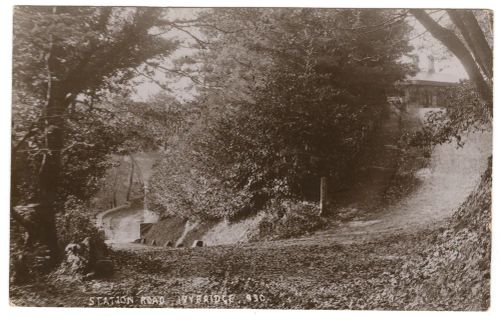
[{"x": 251, "y": 157}]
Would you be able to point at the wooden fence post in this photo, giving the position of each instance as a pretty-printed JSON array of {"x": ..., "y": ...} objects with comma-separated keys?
[{"x": 323, "y": 196}]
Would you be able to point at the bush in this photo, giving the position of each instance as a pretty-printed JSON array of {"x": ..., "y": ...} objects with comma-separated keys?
[
  {"x": 28, "y": 259},
  {"x": 182, "y": 187},
  {"x": 28, "y": 263},
  {"x": 289, "y": 219},
  {"x": 410, "y": 161},
  {"x": 281, "y": 120},
  {"x": 465, "y": 112},
  {"x": 76, "y": 224}
]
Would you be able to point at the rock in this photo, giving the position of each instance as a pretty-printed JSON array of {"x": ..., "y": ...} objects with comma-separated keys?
[
  {"x": 86, "y": 245},
  {"x": 86, "y": 259},
  {"x": 77, "y": 257},
  {"x": 98, "y": 249},
  {"x": 348, "y": 213},
  {"x": 179, "y": 245},
  {"x": 197, "y": 243},
  {"x": 104, "y": 268},
  {"x": 168, "y": 244},
  {"x": 137, "y": 240},
  {"x": 143, "y": 241},
  {"x": 153, "y": 242},
  {"x": 89, "y": 276}
]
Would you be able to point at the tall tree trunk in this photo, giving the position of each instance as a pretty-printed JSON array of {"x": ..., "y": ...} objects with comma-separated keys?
[
  {"x": 49, "y": 176},
  {"x": 475, "y": 39},
  {"x": 479, "y": 40}
]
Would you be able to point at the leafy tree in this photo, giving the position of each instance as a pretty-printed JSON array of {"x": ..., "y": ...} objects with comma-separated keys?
[
  {"x": 60, "y": 55},
  {"x": 465, "y": 111},
  {"x": 148, "y": 126},
  {"x": 468, "y": 35},
  {"x": 470, "y": 40},
  {"x": 289, "y": 96}
]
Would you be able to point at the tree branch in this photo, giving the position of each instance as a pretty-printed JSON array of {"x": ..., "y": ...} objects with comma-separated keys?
[
  {"x": 458, "y": 18},
  {"x": 158, "y": 83},
  {"x": 203, "y": 44},
  {"x": 178, "y": 72},
  {"x": 453, "y": 43},
  {"x": 479, "y": 40}
]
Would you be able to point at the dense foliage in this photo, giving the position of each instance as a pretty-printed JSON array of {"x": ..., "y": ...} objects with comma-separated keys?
[
  {"x": 465, "y": 112},
  {"x": 95, "y": 51},
  {"x": 285, "y": 96},
  {"x": 289, "y": 96},
  {"x": 67, "y": 60}
]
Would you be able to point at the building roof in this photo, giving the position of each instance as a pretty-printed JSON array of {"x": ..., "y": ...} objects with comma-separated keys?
[{"x": 433, "y": 78}]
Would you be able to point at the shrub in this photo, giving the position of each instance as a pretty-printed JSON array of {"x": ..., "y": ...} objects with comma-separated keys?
[
  {"x": 28, "y": 263},
  {"x": 294, "y": 113},
  {"x": 76, "y": 223},
  {"x": 77, "y": 226},
  {"x": 287, "y": 219},
  {"x": 465, "y": 112},
  {"x": 410, "y": 161}
]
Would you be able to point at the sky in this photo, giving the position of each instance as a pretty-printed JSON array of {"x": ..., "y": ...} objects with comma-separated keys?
[
  {"x": 424, "y": 45},
  {"x": 182, "y": 89}
]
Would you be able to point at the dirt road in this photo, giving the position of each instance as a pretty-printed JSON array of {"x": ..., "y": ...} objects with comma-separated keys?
[
  {"x": 122, "y": 226},
  {"x": 357, "y": 265},
  {"x": 450, "y": 177}
]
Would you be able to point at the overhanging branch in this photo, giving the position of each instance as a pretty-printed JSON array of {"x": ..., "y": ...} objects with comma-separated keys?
[{"x": 453, "y": 43}]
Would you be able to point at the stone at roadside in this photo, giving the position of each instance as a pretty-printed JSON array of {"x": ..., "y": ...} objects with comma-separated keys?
[
  {"x": 86, "y": 260},
  {"x": 348, "y": 213},
  {"x": 77, "y": 258},
  {"x": 197, "y": 243},
  {"x": 168, "y": 244},
  {"x": 104, "y": 268}
]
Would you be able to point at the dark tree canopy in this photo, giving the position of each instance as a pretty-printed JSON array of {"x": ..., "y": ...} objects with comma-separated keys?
[
  {"x": 290, "y": 95},
  {"x": 62, "y": 55}
]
